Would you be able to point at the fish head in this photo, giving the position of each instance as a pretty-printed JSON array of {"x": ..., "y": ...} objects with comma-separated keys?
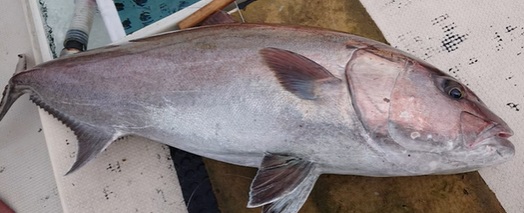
[
  {"x": 435, "y": 115},
  {"x": 421, "y": 119}
]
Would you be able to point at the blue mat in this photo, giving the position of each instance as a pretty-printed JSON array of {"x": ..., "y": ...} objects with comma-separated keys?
[{"x": 136, "y": 14}]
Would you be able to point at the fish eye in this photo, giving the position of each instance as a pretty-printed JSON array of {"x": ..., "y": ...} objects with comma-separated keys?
[
  {"x": 453, "y": 89},
  {"x": 455, "y": 93},
  {"x": 450, "y": 87}
]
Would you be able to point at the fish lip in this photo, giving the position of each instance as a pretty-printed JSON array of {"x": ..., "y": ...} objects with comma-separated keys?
[
  {"x": 493, "y": 131},
  {"x": 495, "y": 136},
  {"x": 489, "y": 140}
]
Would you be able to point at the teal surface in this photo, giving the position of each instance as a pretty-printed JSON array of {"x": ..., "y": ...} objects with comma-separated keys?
[{"x": 136, "y": 14}]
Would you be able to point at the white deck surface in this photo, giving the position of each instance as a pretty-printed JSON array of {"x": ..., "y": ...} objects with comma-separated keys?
[{"x": 485, "y": 50}]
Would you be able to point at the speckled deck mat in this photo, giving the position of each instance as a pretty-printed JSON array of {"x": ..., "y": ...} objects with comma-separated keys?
[{"x": 482, "y": 45}]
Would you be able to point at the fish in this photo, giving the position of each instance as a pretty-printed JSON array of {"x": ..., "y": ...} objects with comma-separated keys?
[{"x": 295, "y": 102}]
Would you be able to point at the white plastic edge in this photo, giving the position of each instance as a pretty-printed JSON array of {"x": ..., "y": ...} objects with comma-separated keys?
[
  {"x": 111, "y": 19},
  {"x": 41, "y": 50}
]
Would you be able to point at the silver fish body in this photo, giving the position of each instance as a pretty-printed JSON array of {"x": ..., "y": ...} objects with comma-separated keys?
[{"x": 294, "y": 102}]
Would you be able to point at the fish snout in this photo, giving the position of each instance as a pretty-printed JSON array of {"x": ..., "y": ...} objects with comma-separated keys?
[
  {"x": 478, "y": 132},
  {"x": 496, "y": 137}
]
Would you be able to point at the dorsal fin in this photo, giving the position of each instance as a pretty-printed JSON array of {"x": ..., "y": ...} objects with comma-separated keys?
[
  {"x": 282, "y": 183},
  {"x": 296, "y": 73}
]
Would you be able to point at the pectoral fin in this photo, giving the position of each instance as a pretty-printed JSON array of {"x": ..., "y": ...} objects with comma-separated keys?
[
  {"x": 282, "y": 184},
  {"x": 296, "y": 73}
]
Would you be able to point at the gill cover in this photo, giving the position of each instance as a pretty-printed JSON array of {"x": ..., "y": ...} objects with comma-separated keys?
[
  {"x": 422, "y": 117},
  {"x": 371, "y": 79}
]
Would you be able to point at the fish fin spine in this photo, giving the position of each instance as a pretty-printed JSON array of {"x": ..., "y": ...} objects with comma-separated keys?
[{"x": 92, "y": 140}]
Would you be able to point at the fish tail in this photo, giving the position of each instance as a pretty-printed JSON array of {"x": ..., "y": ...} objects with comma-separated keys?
[
  {"x": 10, "y": 95},
  {"x": 12, "y": 92}
]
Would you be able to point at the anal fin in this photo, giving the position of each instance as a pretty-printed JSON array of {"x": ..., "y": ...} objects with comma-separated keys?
[
  {"x": 282, "y": 184},
  {"x": 92, "y": 139}
]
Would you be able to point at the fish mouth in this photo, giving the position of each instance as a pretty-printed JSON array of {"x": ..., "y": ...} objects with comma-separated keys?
[
  {"x": 478, "y": 132},
  {"x": 494, "y": 130}
]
